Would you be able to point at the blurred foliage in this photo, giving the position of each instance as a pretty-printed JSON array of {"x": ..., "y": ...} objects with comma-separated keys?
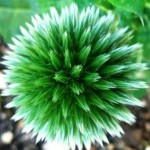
[
  {"x": 14, "y": 13},
  {"x": 45, "y": 4},
  {"x": 132, "y": 13},
  {"x": 134, "y": 6}
]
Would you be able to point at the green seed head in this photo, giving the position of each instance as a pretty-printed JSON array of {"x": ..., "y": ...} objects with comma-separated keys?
[{"x": 71, "y": 74}]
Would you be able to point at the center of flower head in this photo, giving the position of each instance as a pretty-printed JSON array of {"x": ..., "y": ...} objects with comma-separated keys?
[
  {"x": 66, "y": 76},
  {"x": 70, "y": 78},
  {"x": 61, "y": 77}
]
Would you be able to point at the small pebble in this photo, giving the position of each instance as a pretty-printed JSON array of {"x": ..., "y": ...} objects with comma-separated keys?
[
  {"x": 7, "y": 137},
  {"x": 3, "y": 116},
  {"x": 52, "y": 146},
  {"x": 93, "y": 148},
  {"x": 148, "y": 147},
  {"x": 147, "y": 126},
  {"x": 20, "y": 124},
  {"x": 146, "y": 116},
  {"x": 120, "y": 145},
  {"x": 128, "y": 148},
  {"x": 110, "y": 147}
]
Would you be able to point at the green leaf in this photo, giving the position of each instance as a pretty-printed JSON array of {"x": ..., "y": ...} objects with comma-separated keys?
[
  {"x": 84, "y": 38},
  {"x": 103, "y": 120},
  {"x": 65, "y": 40},
  {"x": 67, "y": 57},
  {"x": 77, "y": 87},
  {"x": 91, "y": 77},
  {"x": 101, "y": 44},
  {"x": 65, "y": 108},
  {"x": 95, "y": 99},
  {"x": 130, "y": 85},
  {"x": 58, "y": 93},
  {"x": 134, "y": 6},
  {"x": 120, "y": 98},
  {"x": 55, "y": 59},
  {"x": 121, "y": 37},
  {"x": 136, "y": 66},
  {"x": 61, "y": 77},
  {"x": 14, "y": 13},
  {"x": 124, "y": 51},
  {"x": 118, "y": 111},
  {"x": 84, "y": 53},
  {"x": 112, "y": 69},
  {"x": 81, "y": 101},
  {"x": 103, "y": 85},
  {"x": 99, "y": 61},
  {"x": 76, "y": 71}
]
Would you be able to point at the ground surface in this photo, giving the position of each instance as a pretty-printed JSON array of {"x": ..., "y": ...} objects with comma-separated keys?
[{"x": 137, "y": 136}]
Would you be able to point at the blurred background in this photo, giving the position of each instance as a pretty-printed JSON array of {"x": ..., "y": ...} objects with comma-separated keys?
[{"x": 132, "y": 13}]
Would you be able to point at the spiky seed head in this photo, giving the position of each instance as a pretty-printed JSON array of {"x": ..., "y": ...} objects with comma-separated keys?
[{"x": 71, "y": 74}]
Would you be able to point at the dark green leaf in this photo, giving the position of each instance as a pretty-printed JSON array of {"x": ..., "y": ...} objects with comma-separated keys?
[
  {"x": 103, "y": 85},
  {"x": 83, "y": 54},
  {"x": 55, "y": 59},
  {"x": 61, "y": 77},
  {"x": 58, "y": 93},
  {"x": 91, "y": 77},
  {"x": 77, "y": 87},
  {"x": 76, "y": 71},
  {"x": 81, "y": 101},
  {"x": 98, "y": 61}
]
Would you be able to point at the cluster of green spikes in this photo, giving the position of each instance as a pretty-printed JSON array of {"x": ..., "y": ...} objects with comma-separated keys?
[{"x": 71, "y": 75}]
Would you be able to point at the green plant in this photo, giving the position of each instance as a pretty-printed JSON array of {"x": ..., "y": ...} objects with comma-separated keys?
[{"x": 72, "y": 75}]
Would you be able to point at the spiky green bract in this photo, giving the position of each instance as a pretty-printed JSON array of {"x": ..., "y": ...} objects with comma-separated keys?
[{"x": 71, "y": 74}]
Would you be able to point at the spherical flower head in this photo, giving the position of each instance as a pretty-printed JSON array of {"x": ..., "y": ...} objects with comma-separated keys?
[{"x": 71, "y": 74}]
